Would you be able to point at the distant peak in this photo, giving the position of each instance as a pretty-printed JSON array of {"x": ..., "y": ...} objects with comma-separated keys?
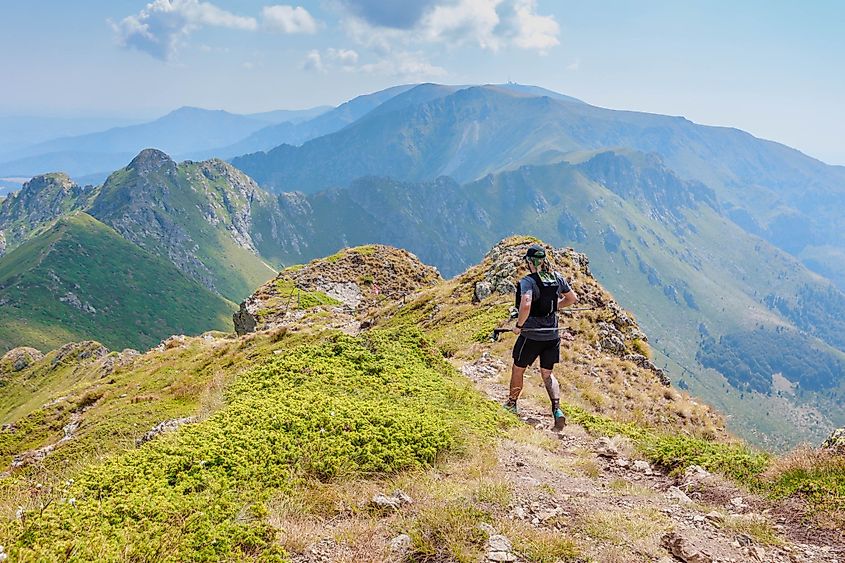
[
  {"x": 58, "y": 180},
  {"x": 150, "y": 159}
]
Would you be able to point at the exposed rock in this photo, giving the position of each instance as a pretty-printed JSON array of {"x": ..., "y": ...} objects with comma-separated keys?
[
  {"x": 642, "y": 466},
  {"x": 499, "y": 548},
  {"x": 41, "y": 200},
  {"x": 604, "y": 447},
  {"x": 677, "y": 495},
  {"x": 715, "y": 518},
  {"x": 487, "y": 529},
  {"x": 400, "y": 544},
  {"x": 245, "y": 318},
  {"x": 73, "y": 300},
  {"x": 164, "y": 426},
  {"x": 68, "y": 432},
  {"x": 347, "y": 293},
  {"x": 117, "y": 360},
  {"x": 79, "y": 351},
  {"x": 483, "y": 290},
  {"x": 175, "y": 341},
  {"x": 835, "y": 442},
  {"x": 645, "y": 363},
  {"x": 18, "y": 359},
  {"x": 358, "y": 278},
  {"x": 683, "y": 549},
  {"x": 485, "y": 367},
  {"x": 393, "y": 502}
]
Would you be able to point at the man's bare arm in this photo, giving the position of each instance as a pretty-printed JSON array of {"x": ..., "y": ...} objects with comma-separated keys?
[
  {"x": 567, "y": 299},
  {"x": 524, "y": 309}
]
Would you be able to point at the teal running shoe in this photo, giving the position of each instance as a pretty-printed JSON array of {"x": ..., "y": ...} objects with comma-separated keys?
[
  {"x": 511, "y": 407},
  {"x": 560, "y": 419}
]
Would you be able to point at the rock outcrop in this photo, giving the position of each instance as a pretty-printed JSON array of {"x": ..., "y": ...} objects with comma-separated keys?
[
  {"x": 354, "y": 280},
  {"x": 19, "y": 359},
  {"x": 835, "y": 442},
  {"x": 43, "y": 199},
  {"x": 618, "y": 333}
]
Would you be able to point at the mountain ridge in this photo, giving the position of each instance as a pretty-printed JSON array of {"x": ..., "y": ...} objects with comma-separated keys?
[{"x": 309, "y": 425}]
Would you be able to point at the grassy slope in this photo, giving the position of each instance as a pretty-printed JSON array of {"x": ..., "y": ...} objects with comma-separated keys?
[
  {"x": 332, "y": 407},
  {"x": 139, "y": 298},
  {"x": 293, "y": 421}
]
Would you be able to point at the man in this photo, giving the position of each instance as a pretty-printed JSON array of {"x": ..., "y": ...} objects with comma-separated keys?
[{"x": 539, "y": 296}]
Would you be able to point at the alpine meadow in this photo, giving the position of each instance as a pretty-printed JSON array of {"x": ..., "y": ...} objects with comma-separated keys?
[{"x": 321, "y": 282}]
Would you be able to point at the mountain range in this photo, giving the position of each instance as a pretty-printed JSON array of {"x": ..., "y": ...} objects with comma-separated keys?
[
  {"x": 721, "y": 243},
  {"x": 185, "y": 131}
]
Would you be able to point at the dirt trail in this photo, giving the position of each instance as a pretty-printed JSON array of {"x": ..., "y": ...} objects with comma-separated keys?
[{"x": 598, "y": 492}]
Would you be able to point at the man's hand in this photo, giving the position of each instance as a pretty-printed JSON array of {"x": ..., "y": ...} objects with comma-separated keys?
[{"x": 516, "y": 330}]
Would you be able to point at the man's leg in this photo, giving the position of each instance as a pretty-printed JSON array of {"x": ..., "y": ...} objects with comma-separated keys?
[
  {"x": 552, "y": 387},
  {"x": 517, "y": 377},
  {"x": 548, "y": 359}
]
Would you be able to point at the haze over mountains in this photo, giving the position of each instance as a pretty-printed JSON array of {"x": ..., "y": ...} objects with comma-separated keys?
[
  {"x": 727, "y": 247},
  {"x": 182, "y": 132}
]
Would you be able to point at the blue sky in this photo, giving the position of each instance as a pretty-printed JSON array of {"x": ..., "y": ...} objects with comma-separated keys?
[{"x": 772, "y": 68}]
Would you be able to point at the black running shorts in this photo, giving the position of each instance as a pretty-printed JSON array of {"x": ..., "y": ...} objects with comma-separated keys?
[{"x": 525, "y": 351}]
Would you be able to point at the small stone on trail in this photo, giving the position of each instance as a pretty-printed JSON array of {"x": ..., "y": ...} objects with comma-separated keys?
[
  {"x": 738, "y": 504},
  {"x": 744, "y": 540},
  {"x": 676, "y": 494},
  {"x": 642, "y": 467},
  {"x": 487, "y": 528},
  {"x": 393, "y": 502},
  {"x": 683, "y": 549},
  {"x": 758, "y": 553},
  {"x": 498, "y": 542},
  {"x": 548, "y": 514},
  {"x": 715, "y": 518},
  {"x": 400, "y": 544},
  {"x": 606, "y": 448},
  {"x": 499, "y": 548}
]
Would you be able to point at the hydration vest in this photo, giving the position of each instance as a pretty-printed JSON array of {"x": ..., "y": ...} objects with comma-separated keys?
[{"x": 545, "y": 303}]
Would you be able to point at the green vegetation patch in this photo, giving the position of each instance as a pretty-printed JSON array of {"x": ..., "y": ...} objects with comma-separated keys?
[
  {"x": 821, "y": 481},
  {"x": 676, "y": 452},
  {"x": 345, "y": 407},
  {"x": 81, "y": 280},
  {"x": 748, "y": 359},
  {"x": 290, "y": 297}
]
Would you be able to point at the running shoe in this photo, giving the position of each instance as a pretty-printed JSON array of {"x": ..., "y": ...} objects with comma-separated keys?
[{"x": 560, "y": 419}]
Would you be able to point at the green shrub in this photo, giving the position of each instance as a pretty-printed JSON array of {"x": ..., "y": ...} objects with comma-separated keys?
[{"x": 346, "y": 406}]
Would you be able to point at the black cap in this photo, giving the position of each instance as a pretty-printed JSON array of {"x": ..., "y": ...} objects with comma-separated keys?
[{"x": 535, "y": 251}]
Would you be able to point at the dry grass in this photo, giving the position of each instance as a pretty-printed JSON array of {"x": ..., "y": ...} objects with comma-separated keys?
[
  {"x": 539, "y": 545},
  {"x": 640, "y": 529},
  {"x": 525, "y": 434},
  {"x": 627, "y": 488},
  {"x": 756, "y": 526}
]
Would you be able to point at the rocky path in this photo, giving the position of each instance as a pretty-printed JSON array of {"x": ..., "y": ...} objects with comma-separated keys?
[{"x": 597, "y": 492}]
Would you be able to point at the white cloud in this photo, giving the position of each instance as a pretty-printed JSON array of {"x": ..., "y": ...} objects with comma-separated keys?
[
  {"x": 346, "y": 57},
  {"x": 313, "y": 62},
  {"x": 162, "y": 25},
  {"x": 489, "y": 24},
  {"x": 288, "y": 19},
  {"x": 407, "y": 65},
  {"x": 531, "y": 30},
  {"x": 466, "y": 21}
]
